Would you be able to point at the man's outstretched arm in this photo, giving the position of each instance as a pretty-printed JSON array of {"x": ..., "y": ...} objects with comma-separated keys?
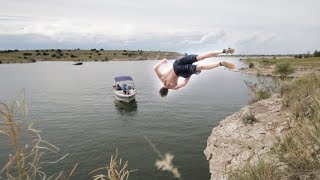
[
  {"x": 157, "y": 66},
  {"x": 180, "y": 85}
]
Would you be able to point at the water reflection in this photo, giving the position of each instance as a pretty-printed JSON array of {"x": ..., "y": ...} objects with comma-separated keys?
[{"x": 126, "y": 108}]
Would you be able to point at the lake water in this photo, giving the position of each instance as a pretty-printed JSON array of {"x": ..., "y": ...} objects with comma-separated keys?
[{"x": 75, "y": 108}]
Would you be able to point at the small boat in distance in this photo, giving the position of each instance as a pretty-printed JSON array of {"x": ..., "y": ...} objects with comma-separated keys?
[
  {"x": 124, "y": 88},
  {"x": 78, "y": 63}
]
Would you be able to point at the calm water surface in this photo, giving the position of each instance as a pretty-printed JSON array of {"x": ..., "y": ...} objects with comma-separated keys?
[{"x": 75, "y": 108}]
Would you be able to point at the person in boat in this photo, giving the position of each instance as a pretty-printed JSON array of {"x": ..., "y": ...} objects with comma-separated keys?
[
  {"x": 184, "y": 67},
  {"x": 125, "y": 89},
  {"x": 118, "y": 88}
]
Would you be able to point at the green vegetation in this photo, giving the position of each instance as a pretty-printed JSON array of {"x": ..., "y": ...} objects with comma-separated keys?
[
  {"x": 11, "y": 56},
  {"x": 262, "y": 89},
  {"x": 284, "y": 69},
  {"x": 248, "y": 118},
  {"x": 298, "y": 152},
  {"x": 259, "y": 171},
  {"x": 251, "y": 65},
  {"x": 309, "y": 62},
  {"x": 283, "y": 66}
]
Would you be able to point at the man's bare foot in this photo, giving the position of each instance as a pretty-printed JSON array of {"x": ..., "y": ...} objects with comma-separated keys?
[
  {"x": 227, "y": 65},
  {"x": 230, "y": 50}
]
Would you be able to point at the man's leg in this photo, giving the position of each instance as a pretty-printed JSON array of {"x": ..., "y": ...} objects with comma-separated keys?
[
  {"x": 214, "y": 53},
  {"x": 201, "y": 67}
]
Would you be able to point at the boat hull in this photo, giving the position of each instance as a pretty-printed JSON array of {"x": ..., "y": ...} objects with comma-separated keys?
[{"x": 125, "y": 99}]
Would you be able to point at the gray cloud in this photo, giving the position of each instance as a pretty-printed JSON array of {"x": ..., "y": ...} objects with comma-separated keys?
[{"x": 185, "y": 26}]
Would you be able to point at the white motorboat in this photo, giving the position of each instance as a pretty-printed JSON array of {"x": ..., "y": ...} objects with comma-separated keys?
[{"x": 124, "y": 88}]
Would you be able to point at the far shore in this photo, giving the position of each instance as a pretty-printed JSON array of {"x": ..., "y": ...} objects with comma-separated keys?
[
  {"x": 96, "y": 55},
  {"x": 77, "y": 55}
]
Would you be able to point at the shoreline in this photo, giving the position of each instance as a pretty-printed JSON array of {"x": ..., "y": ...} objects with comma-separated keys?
[{"x": 93, "y": 55}]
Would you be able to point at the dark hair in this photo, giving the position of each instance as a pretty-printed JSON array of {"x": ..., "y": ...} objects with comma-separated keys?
[{"x": 163, "y": 91}]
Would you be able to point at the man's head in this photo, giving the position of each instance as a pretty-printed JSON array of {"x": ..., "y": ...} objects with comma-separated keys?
[{"x": 163, "y": 92}]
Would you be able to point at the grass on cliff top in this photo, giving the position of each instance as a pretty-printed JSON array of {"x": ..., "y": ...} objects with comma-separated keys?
[
  {"x": 299, "y": 151},
  {"x": 295, "y": 62}
]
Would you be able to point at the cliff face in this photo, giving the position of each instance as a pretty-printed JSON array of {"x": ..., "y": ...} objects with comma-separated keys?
[{"x": 233, "y": 143}]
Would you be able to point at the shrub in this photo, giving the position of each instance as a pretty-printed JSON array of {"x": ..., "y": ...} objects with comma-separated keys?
[
  {"x": 0, "y": 62},
  {"x": 261, "y": 94},
  {"x": 53, "y": 55},
  {"x": 101, "y": 49},
  {"x": 251, "y": 65},
  {"x": 316, "y": 54},
  {"x": 90, "y": 56},
  {"x": 27, "y": 54},
  {"x": 263, "y": 89},
  {"x": 38, "y": 54},
  {"x": 25, "y": 57},
  {"x": 248, "y": 118},
  {"x": 266, "y": 62},
  {"x": 262, "y": 170},
  {"x": 300, "y": 56},
  {"x": 284, "y": 69},
  {"x": 99, "y": 54},
  {"x": 73, "y": 56}
]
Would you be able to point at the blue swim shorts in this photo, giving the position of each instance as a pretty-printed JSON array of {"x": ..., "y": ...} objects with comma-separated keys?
[{"x": 184, "y": 66}]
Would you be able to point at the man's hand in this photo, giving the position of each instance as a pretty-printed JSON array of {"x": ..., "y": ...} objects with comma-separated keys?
[
  {"x": 180, "y": 85},
  {"x": 164, "y": 61}
]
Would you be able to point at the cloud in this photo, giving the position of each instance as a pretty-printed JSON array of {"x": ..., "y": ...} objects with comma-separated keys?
[{"x": 207, "y": 38}]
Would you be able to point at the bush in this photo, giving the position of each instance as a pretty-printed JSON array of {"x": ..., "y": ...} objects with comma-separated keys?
[
  {"x": 251, "y": 65},
  {"x": 99, "y": 54},
  {"x": 27, "y": 54},
  {"x": 0, "y": 62},
  {"x": 53, "y": 55},
  {"x": 316, "y": 54},
  {"x": 261, "y": 170},
  {"x": 73, "y": 56},
  {"x": 261, "y": 94},
  {"x": 284, "y": 69},
  {"x": 248, "y": 118}
]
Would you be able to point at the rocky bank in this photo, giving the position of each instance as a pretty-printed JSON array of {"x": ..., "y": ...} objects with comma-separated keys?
[{"x": 232, "y": 143}]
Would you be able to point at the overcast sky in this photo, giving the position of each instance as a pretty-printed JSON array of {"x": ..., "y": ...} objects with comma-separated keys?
[{"x": 251, "y": 26}]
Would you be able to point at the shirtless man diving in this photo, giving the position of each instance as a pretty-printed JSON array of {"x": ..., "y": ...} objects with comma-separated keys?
[{"x": 184, "y": 67}]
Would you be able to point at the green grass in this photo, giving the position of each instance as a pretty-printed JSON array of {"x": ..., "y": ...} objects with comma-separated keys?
[
  {"x": 259, "y": 171},
  {"x": 284, "y": 69}
]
